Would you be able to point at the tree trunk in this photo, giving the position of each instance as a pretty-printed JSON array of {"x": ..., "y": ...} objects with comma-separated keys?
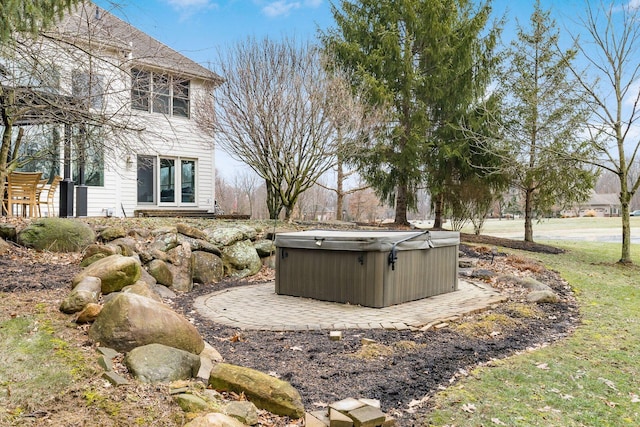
[
  {"x": 625, "y": 200},
  {"x": 339, "y": 189},
  {"x": 401, "y": 205},
  {"x": 4, "y": 153},
  {"x": 273, "y": 201},
  {"x": 528, "y": 214},
  {"x": 438, "y": 210}
]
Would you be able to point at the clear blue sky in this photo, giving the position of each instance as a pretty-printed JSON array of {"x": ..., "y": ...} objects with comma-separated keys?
[{"x": 197, "y": 28}]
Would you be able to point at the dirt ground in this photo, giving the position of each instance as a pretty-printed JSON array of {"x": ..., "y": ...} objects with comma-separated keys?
[{"x": 401, "y": 369}]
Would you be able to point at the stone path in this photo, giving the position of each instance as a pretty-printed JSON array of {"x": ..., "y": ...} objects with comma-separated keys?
[{"x": 258, "y": 307}]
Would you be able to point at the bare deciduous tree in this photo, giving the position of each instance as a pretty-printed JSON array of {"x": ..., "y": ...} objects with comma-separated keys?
[
  {"x": 353, "y": 123},
  {"x": 611, "y": 46},
  {"x": 271, "y": 115}
]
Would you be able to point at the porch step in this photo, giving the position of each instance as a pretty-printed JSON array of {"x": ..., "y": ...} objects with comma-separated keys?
[{"x": 184, "y": 213}]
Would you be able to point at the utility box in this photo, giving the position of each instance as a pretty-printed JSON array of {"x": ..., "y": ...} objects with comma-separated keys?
[{"x": 368, "y": 268}]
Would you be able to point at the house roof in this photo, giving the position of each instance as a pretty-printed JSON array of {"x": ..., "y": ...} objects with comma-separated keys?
[
  {"x": 97, "y": 27},
  {"x": 607, "y": 199}
]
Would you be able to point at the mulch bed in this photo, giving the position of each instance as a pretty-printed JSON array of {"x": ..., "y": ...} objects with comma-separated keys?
[{"x": 403, "y": 369}]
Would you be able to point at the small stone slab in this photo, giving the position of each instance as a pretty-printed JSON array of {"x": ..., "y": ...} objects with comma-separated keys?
[
  {"x": 114, "y": 378},
  {"x": 316, "y": 419},
  {"x": 105, "y": 363},
  {"x": 109, "y": 352},
  {"x": 335, "y": 335},
  {"x": 371, "y": 402},
  {"x": 367, "y": 341},
  {"x": 338, "y": 419},
  {"x": 367, "y": 416},
  {"x": 346, "y": 405}
]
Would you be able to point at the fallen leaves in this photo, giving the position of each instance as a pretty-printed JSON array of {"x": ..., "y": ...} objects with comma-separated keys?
[{"x": 469, "y": 407}]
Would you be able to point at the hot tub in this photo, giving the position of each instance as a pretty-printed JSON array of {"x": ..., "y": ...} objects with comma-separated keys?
[{"x": 369, "y": 268}]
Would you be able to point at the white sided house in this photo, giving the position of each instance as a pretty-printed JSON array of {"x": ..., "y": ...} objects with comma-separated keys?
[{"x": 127, "y": 118}]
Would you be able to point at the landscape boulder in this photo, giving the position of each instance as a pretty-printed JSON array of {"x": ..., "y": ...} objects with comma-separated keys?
[
  {"x": 154, "y": 363},
  {"x": 190, "y": 231},
  {"x": 225, "y": 236},
  {"x": 129, "y": 320},
  {"x": 164, "y": 242},
  {"x": 144, "y": 289},
  {"x": 159, "y": 270},
  {"x": 241, "y": 259},
  {"x": 243, "y": 411},
  {"x": 207, "y": 267},
  {"x": 57, "y": 235},
  {"x": 8, "y": 232},
  {"x": 265, "y": 248},
  {"x": 85, "y": 292},
  {"x": 4, "y": 247},
  {"x": 95, "y": 252},
  {"x": 115, "y": 272},
  {"x": 112, "y": 233},
  {"x": 265, "y": 391},
  {"x": 541, "y": 297},
  {"x": 180, "y": 266}
]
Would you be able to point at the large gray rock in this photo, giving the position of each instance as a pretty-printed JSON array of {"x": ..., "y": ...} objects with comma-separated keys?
[
  {"x": 214, "y": 419},
  {"x": 115, "y": 272},
  {"x": 144, "y": 289},
  {"x": 241, "y": 259},
  {"x": 265, "y": 248},
  {"x": 112, "y": 233},
  {"x": 128, "y": 245},
  {"x": 57, "y": 235},
  {"x": 190, "y": 231},
  {"x": 8, "y": 232},
  {"x": 225, "y": 236},
  {"x": 180, "y": 266},
  {"x": 85, "y": 292},
  {"x": 541, "y": 297},
  {"x": 207, "y": 267},
  {"x": 128, "y": 321},
  {"x": 265, "y": 391},
  {"x": 164, "y": 241},
  {"x": 243, "y": 411},
  {"x": 160, "y": 271},
  {"x": 4, "y": 247},
  {"x": 95, "y": 252},
  {"x": 156, "y": 363},
  {"x": 200, "y": 245}
]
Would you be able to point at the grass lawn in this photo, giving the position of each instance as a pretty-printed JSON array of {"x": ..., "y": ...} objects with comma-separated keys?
[
  {"x": 546, "y": 225},
  {"x": 588, "y": 379}
]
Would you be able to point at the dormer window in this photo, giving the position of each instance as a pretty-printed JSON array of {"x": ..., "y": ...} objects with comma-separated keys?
[{"x": 159, "y": 93}]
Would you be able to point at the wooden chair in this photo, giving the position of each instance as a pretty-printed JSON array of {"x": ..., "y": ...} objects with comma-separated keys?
[
  {"x": 51, "y": 192},
  {"x": 22, "y": 192}
]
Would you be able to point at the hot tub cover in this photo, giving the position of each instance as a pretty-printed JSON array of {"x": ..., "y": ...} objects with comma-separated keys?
[{"x": 352, "y": 240}]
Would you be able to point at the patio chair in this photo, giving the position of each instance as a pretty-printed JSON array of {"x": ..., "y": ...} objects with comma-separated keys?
[
  {"x": 50, "y": 194},
  {"x": 22, "y": 192}
]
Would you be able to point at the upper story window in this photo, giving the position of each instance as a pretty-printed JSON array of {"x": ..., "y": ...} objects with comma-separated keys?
[
  {"x": 159, "y": 93},
  {"x": 88, "y": 88}
]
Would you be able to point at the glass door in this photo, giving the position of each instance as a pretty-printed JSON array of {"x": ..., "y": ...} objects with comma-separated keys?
[
  {"x": 167, "y": 181},
  {"x": 188, "y": 181},
  {"x": 146, "y": 180}
]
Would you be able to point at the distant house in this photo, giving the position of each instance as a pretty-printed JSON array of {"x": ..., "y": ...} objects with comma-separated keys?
[
  {"x": 601, "y": 205},
  {"x": 141, "y": 145}
]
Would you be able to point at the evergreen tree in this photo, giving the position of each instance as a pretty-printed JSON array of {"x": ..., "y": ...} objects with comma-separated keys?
[
  {"x": 409, "y": 56},
  {"x": 30, "y": 16},
  {"x": 544, "y": 118}
]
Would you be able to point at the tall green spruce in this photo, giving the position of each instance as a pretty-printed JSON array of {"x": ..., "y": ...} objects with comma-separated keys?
[
  {"x": 544, "y": 117},
  {"x": 30, "y": 16},
  {"x": 426, "y": 61}
]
